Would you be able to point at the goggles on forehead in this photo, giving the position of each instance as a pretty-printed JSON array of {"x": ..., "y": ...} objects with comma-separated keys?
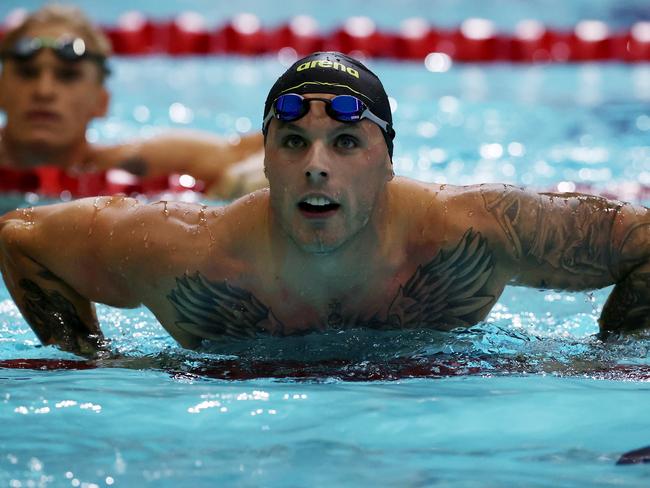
[
  {"x": 343, "y": 108},
  {"x": 69, "y": 49}
]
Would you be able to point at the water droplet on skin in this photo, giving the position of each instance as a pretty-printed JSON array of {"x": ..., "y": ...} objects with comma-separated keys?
[
  {"x": 470, "y": 213},
  {"x": 202, "y": 219},
  {"x": 28, "y": 216}
]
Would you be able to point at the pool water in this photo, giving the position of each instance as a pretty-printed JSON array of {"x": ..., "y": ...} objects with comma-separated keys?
[{"x": 527, "y": 398}]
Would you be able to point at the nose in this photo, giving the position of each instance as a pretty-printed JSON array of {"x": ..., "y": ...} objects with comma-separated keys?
[
  {"x": 45, "y": 86},
  {"x": 317, "y": 168}
]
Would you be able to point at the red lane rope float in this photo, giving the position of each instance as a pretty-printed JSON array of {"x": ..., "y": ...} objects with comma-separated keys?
[
  {"x": 54, "y": 182},
  {"x": 475, "y": 40}
]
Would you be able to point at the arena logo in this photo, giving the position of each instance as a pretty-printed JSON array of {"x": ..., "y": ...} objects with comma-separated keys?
[{"x": 328, "y": 64}]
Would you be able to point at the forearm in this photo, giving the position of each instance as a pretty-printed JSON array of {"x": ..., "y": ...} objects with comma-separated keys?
[
  {"x": 204, "y": 156},
  {"x": 628, "y": 307},
  {"x": 57, "y": 314}
]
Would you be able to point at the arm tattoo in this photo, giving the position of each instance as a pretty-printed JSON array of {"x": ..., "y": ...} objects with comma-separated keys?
[
  {"x": 444, "y": 293},
  {"x": 505, "y": 209},
  {"x": 628, "y": 308},
  {"x": 54, "y": 318},
  {"x": 573, "y": 234}
]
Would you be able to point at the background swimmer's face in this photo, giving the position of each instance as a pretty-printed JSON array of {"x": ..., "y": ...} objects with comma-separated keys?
[
  {"x": 49, "y": 102},
  {"x": 326, "y": 177}
]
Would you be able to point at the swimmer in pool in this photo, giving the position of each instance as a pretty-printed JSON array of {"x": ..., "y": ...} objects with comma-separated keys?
[
  {"x": 54, "y": 64},
  {"x": 337, "y": 241}
]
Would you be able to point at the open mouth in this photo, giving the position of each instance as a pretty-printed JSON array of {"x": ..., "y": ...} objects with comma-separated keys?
[
  {"x": 318, "y": 206},
  {"x": 42, "y": 116}
]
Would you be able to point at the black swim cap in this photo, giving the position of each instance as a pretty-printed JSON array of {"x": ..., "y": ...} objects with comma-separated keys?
[{"x": 338, "y": 74}]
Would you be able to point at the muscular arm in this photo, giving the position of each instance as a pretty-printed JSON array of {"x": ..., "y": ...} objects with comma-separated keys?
[
  {"x": 228, "y": 168},
  {"x": 50, "y": 265},
  {"x": 577, "y": 242}
]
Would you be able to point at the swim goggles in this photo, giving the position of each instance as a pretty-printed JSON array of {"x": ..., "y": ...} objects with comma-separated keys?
[
  {"x": 343, "y": 108},
  {"x": 69, "y": 49}
]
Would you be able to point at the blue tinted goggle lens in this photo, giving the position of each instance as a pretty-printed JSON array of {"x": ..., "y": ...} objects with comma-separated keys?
[
  {"x": 343, "y": 108},
  {"x": 346, "y": 108},
  {"x": 290, "y": 107}
]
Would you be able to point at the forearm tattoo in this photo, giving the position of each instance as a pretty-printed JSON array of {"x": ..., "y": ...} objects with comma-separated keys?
[
  {"x": 445, "y": 293},
  {"x": 54, "y": 320},
  {"x": 569, "y": 232},
  {"x": 628, "y": 307}
]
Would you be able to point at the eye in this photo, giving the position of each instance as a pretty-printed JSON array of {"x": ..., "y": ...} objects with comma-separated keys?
[
  {"x": 26, "y": 71},
  {"x": 293, "y": 141},
  {"x": 346, "y": 141},
  {"x": 68, "y": 74}
]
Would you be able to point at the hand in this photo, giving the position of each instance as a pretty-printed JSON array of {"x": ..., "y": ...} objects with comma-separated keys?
[{"x": 240, "y": 178}]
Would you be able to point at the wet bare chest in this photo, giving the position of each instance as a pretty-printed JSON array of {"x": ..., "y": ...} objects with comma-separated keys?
[{"x": 454, "y": 289}]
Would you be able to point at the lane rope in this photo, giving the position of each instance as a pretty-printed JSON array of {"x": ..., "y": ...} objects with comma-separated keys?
[{"x": 416, "y": 39}]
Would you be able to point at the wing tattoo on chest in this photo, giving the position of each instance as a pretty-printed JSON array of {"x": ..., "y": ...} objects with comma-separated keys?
[
  {"x": 212, "y": 310},
  {"x": 444, "y": 293}
]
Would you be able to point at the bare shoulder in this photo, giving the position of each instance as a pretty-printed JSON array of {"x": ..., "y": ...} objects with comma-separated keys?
[
  {"x": 435, "y": 196},
  {"x": 446, "y": 212}
]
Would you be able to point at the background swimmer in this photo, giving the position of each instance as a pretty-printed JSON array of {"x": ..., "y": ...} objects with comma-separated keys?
[
  {"x": 337, "y": 241},
  {"x": 52, "y": 86}
]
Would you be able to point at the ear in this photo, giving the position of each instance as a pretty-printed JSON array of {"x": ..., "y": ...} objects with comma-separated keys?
[
  {"x": 101, "y": 105},
  {"x": 266, "y": 175},
  {"x": 390, "y": 173}
]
